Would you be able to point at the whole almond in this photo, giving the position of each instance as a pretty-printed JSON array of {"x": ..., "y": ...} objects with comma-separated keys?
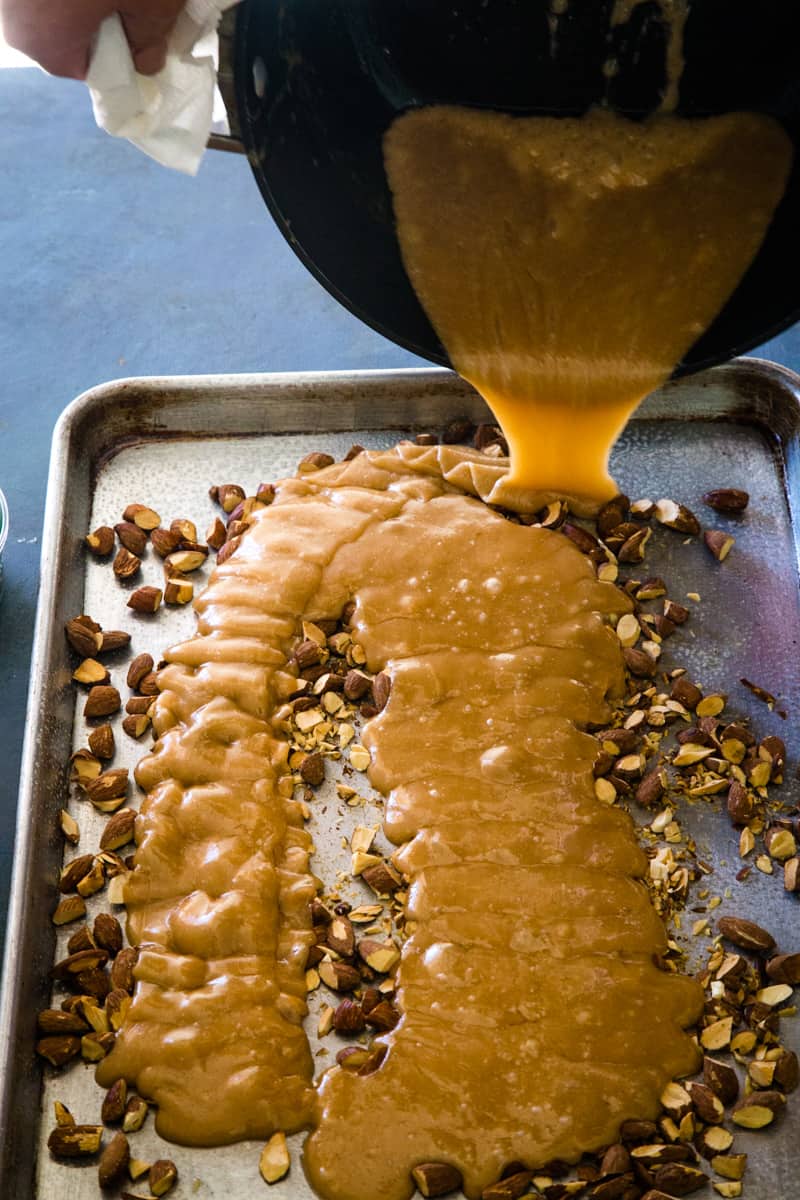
[
  {"x": 349, "y": 1017},
  {"x": 114, "y": 639},
  {"x": 131, "y": 537},
  {"x": 113, "y": 1165},
  {"x": 727, "y": 500},
  {"x": 746, "y": 934},
  {"x": 102, "y": 701},
  {"x": 55, "y": 1021},
  {"x": 141, "y": 665},
  {"x": 785, "y": 968},
  {"x": 148, "y": 686},
  {"x": 122, "y": 969},
  {"x": 651, "y": 788},
  {"x": 107, "y": 933}
]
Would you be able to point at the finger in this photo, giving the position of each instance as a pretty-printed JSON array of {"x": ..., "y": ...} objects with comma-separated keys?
[
  {"x": 147, "y": 28},
  {"x": 150, "y": 59}
]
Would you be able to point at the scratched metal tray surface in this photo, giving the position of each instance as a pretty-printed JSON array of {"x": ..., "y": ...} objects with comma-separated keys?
[{"x": 162, "y": 442}]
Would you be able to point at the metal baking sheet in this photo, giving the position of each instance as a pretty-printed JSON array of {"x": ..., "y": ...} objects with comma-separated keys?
[{"x": 162, "y": 442}]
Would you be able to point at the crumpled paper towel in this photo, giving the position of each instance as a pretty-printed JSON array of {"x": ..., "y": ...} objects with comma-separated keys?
[{"x": 167, "y": 115}]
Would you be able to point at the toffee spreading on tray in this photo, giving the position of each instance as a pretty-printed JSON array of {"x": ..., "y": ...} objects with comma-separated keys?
[
  {"x": 534, "y": 938},
  {"x": 568, "y": 264}
]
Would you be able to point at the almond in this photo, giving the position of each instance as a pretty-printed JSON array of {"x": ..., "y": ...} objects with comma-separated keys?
[
  {"x": 59, "y": 1048},
  {"x": 126, "y": 564},
  {"x": 349, "y": 1018},
  {"x": 719, "y": 544},
  {"x": 102, "y": 701},
  {"x": 436, "y": 1178},
  {"x": 162, "y": 1177},
  {"x": 140, "y": 666},
  {"x": 145, "y": 599},
  {"x": 113, "y": 1165},
  {"x": 107, "y": 933},
  {"x": 114, "y": 1101},
  {"x": 758, "y": 1110},
  {"x": 84, "y": 639},
  {"x": 75, "y": 1141},
  {"x": 727, "y": 500},
  {"x": 382, "y": 878},
  {"x": 135, "y": 1114},
  {"x": 676, "y": 516},
  {"x": 341, "y": 937},
  {"x": 101, "y": 541},
  {"x": 274, "y": 1162},
  {"x": 71, "y": 908},
  {"x": 114, "y": 639},
  {"x": 146, "y": 518},
  {"x": 339, "y": 976},
  {"x": 746, "y": 934},
  {"x": 101, "y": 742},
  {"x": 131, "y": 537},
  {"x": 164, "y": 541}
]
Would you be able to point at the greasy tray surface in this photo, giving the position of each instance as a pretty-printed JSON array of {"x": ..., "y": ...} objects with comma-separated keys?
[{"x": 163, "y": 441}]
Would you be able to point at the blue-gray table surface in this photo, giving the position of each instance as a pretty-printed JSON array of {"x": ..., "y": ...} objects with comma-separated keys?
[{"x": 111, "y": 267}]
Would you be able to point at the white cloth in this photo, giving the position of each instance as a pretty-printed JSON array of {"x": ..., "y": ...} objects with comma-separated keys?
[{"x": 168, "y": 115}]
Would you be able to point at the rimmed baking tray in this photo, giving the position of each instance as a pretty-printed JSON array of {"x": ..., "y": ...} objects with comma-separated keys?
[{"x": 163, "y": 441}]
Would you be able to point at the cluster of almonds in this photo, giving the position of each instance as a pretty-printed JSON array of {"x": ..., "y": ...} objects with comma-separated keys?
[
  {"x": 334, "y": 693},
  {"x": 177, "y": 545}
]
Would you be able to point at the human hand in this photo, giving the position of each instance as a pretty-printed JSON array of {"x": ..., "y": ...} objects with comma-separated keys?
[{"x": 59, "y": 34}]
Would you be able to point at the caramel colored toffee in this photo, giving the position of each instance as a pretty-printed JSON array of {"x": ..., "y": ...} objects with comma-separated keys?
[
  {"x": 568, "y": 264},
  {"x": 534, "y": 1019}
]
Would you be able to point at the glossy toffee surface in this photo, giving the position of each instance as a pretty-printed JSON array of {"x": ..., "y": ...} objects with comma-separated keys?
[{"x": 534, "y": 1019}]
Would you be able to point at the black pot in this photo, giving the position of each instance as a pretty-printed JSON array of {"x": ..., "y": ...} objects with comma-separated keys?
[{"x": 318, "y": 82}]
